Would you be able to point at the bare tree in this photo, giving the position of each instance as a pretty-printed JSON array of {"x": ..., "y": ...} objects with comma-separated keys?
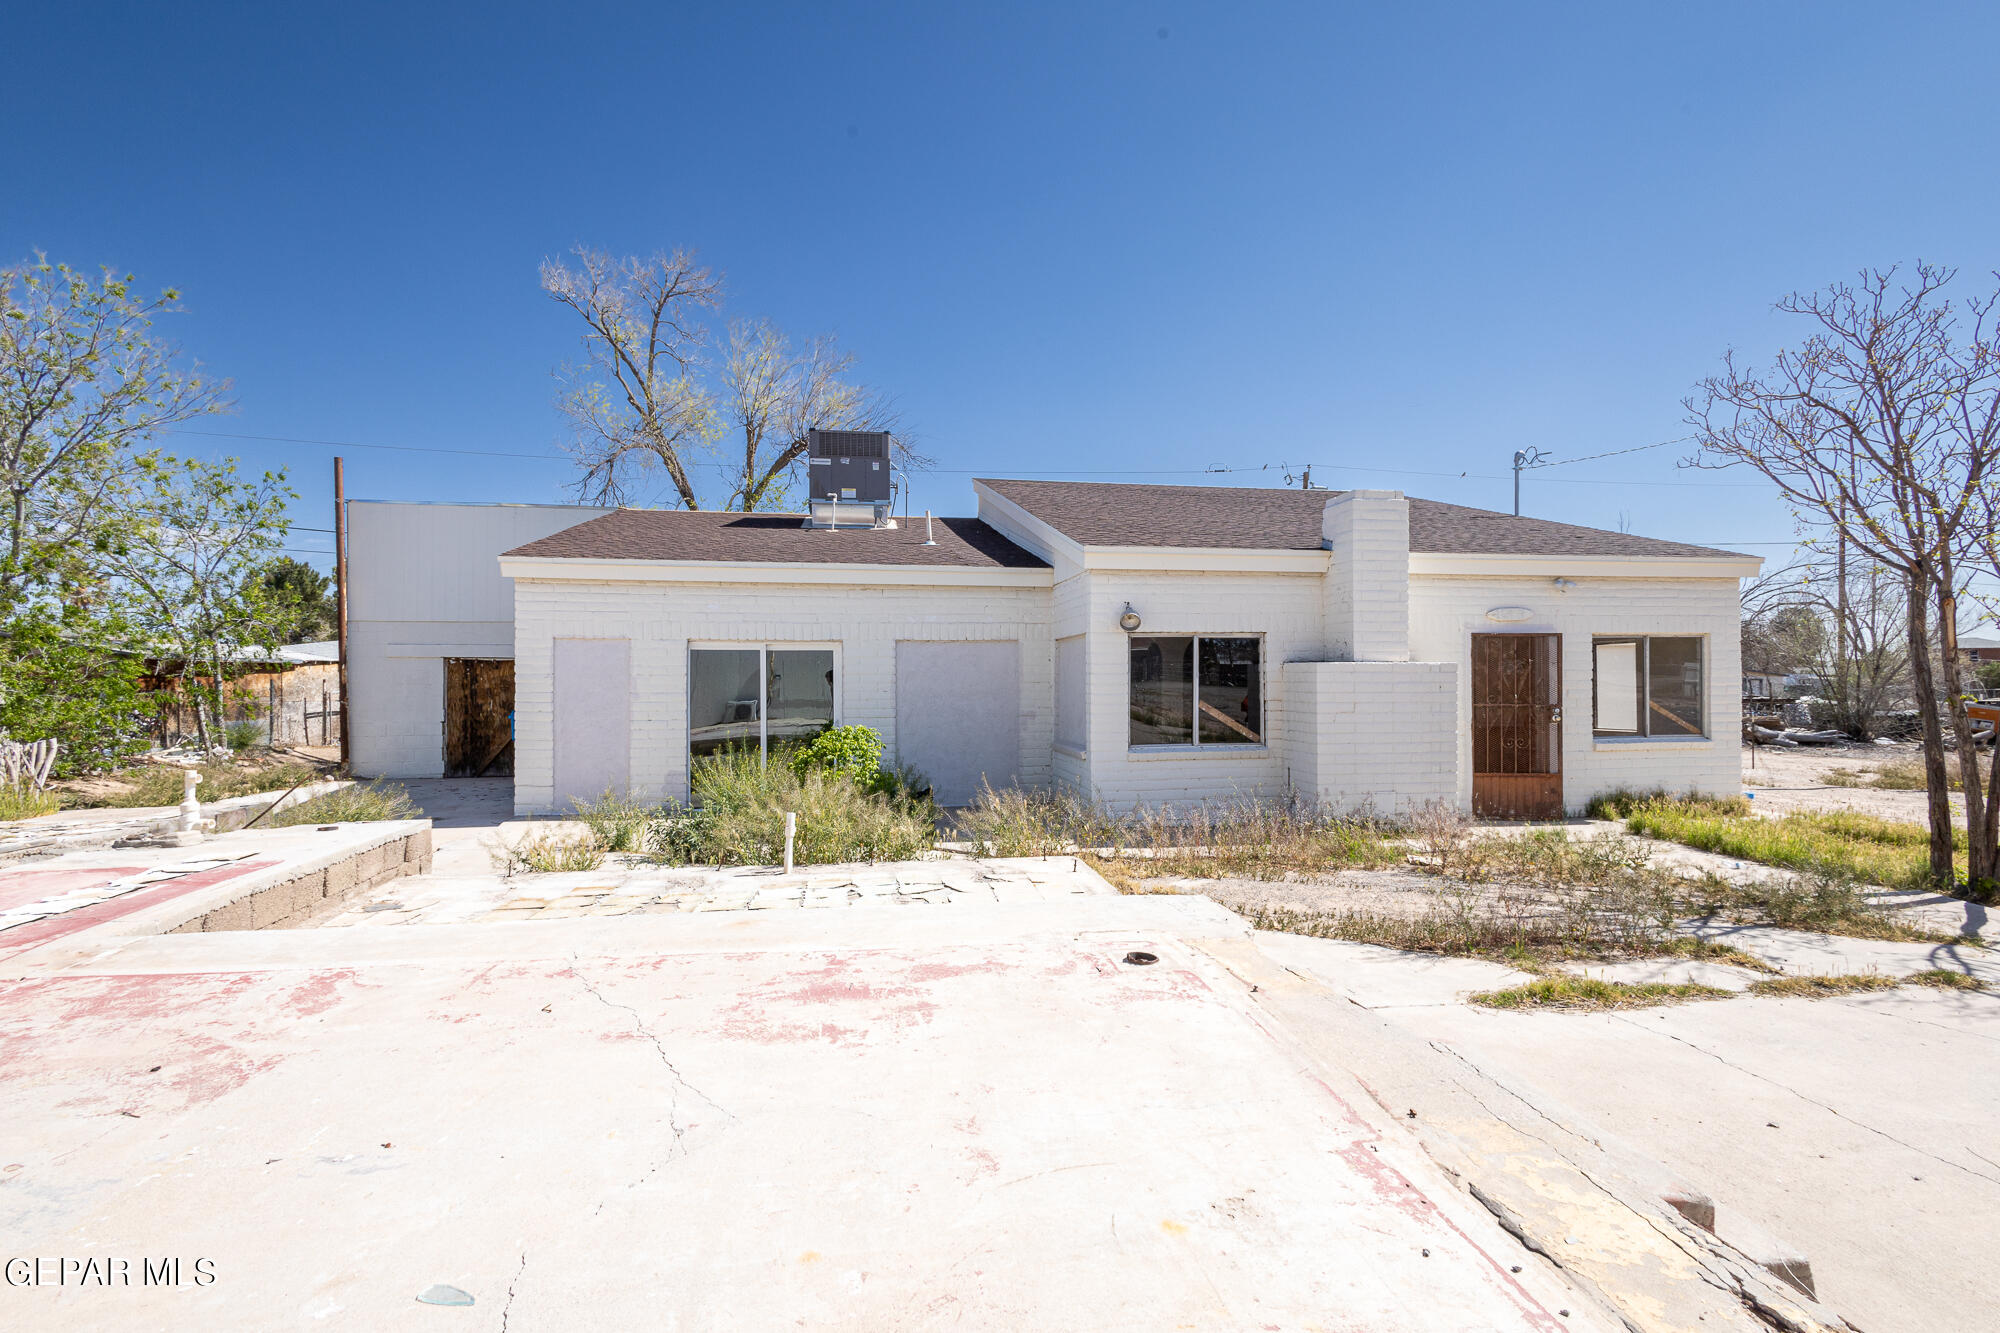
[
  {"x": 82, "y": 383},
  {"x": 1878, "y": 428},
  {"x": 636, "y": 402},
  {"x": 1848, "y": 632},
  {"x": 654, "y": 389},
  {"x": 773, "y": 395}
]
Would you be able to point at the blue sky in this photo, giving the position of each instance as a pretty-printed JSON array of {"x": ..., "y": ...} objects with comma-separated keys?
[{"x": 1131, "y": 240}]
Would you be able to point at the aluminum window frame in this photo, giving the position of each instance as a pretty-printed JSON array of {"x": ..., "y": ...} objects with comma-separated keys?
[
  {"x": 1644, "y": 643},
  {"x": 763, "y": 648},
  {"x": 1194, "y": 713}
]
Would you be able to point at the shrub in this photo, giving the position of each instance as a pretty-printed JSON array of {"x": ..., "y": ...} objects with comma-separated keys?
[
  {"x": 743, "y": 804},
  {"x": 243, "y": 735},
  {"x": 851, "y": 752},
  {"x": 360, "y": 804}
]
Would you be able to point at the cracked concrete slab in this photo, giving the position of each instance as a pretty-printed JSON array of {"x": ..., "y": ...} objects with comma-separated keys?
[
  {"x": 842, "y": 1119},
  {"x": 1857, "y": 1129}
]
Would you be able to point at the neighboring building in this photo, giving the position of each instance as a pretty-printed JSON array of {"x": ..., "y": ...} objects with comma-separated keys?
[
  {"x": 292, "y": 693},
  {"x": 1136, "y": 644},
  {"x": 430, "y": 626},
  {"x": 1981, "y": 650}
]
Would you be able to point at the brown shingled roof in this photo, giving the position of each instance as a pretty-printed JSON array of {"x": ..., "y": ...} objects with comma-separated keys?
[
  {"x": 682, "y": 534},
  {"x": 1239, "y": 517}
]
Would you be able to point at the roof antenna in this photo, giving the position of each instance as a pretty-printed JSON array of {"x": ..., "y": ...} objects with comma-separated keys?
[{"x": 929, "y": 540}]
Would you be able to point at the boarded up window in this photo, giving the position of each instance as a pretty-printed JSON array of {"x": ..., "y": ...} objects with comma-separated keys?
[{"x": 1072, "y": 712}]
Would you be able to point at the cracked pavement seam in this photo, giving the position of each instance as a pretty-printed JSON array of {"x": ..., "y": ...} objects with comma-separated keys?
[{"x": 639, "y": 1026}]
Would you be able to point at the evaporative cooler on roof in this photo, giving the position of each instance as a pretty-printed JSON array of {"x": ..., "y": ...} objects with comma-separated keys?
[{"x": 848, "y": 465}]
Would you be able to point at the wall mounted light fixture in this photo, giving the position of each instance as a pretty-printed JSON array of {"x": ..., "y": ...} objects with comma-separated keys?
[{"x": 1130, "y": 620}]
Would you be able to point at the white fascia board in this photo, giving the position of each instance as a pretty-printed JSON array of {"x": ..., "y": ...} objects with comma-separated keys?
[
  {"x": 1585, "y": 566},
  {"x": 544, "y": 569},
  {"x": 1022, "y": 528},
  {"x": 1203, "y": 560}
]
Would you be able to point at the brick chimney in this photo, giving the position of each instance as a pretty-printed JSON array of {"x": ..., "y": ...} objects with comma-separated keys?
[{"x": 1368, "y": 580}]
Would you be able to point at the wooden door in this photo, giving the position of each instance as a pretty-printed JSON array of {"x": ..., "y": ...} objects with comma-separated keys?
[
  {"x": 478, "y": 717},
  {"x": 1517, "y": 726}
]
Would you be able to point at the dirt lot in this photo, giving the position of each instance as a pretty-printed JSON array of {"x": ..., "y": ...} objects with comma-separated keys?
[{"x": 1783, "y": 779}]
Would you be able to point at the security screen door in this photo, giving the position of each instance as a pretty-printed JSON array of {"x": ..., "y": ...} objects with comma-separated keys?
[{"x": 1517, "y": 726}]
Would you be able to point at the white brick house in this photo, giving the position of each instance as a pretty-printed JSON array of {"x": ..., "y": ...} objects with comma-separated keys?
[{"x": 1137, "y": 644}]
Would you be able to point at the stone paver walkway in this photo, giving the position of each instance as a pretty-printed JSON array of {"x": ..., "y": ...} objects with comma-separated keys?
[{"x": 623, "y": 890}]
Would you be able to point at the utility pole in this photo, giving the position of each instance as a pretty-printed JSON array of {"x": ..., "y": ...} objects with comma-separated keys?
[
  {"x": 340, "y": 596},
  {"x": 1524, "y": 458}
]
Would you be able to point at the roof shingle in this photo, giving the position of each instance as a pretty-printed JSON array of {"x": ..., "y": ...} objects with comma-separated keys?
[
  {"x": 682, "y": 534},
  {"x": 1241, "y": 517}
]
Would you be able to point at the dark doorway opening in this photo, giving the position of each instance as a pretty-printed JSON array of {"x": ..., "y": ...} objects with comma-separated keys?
[
  {"x": 478, "y": 717},
  {"x": 1517, "y": 726}
]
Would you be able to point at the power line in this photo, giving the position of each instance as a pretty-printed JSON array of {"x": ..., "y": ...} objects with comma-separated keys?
[
  {"x": 1080, "y": 472},
  {"x": 1615, "y": 453}
]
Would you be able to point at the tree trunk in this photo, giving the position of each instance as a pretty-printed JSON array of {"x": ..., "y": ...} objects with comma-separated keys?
[
  {"x": 1979, "y": 847},
  {"x": 1924, "y": 683}
]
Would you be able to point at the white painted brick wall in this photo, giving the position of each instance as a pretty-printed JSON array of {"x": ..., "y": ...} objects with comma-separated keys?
[
  {"x": 1446, "y": 611},
  {"x": 661, "y": 618},
  {"x": 1374, "y": 735},
  {"x": 1285, "y": 609},
  {"x": 1367, "y": 536}
]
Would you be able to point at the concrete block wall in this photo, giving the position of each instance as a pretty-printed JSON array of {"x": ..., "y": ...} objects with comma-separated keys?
[
  {"x": 1284, "y": 609},
  {"x": 863, "y": 622},
  {"x": 1367, "y": 536},
  {"x": 1373, "y": 735},
  {"x": 302, "y": 898},
  {"x": 1445, "y": 611}
]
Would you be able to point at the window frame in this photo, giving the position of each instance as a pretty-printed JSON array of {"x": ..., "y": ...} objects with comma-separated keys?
[
  {"x": 1194, "y": 742},
  {"x": 763, "y": 648},
  {"x": 1644, "y": 644}
]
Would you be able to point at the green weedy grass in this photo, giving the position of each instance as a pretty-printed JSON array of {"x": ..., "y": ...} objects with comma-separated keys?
[
  {"x": 1943, "y": 978},
  {"x": 617, "y": 823},
  {"x": 1823, "y": 987},
  {"x": 160, "y": 784},
  {"x": 363, "y": 803},
  {"x": 1248, "y": 839},
  {"x": 1564, "y": 992},
  {"x": 26, "y": 804},
  {"x": 1895, "y": 775},
  {"x": 549, "y": 854},
  {"x": 1842, "y": 844}
]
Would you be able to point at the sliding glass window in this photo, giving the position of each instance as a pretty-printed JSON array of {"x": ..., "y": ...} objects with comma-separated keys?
[
  {"x": 1196, "y": 690},
  {"x": 1647, "y": 685},
  {"x": 757, "y": 698}
]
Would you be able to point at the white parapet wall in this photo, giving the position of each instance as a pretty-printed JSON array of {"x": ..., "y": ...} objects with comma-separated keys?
[{"x": 1380, "y": 735}]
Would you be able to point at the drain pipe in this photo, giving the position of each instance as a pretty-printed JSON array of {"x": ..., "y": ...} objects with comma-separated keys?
[{"x": 791, "y": 830}]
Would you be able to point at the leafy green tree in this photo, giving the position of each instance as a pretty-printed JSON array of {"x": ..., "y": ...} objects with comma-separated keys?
[
  {"x": 66, "y": 673},
  {"x": 1989, "y": 675},
  {"x": 84, "y": 385},
  {"x": 190, "y": 569},
  {"x": 306, "y": 595}
]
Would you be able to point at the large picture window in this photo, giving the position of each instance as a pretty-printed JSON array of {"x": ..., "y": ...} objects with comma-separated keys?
[
  {"x": 758, "y": 697},
  {"x": 1647, "y": 685},
  {"x": 1196, "y": 690}
]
